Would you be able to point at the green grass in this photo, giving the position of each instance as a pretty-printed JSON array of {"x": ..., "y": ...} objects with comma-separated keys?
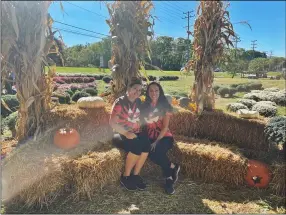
[{"x": 183, "y": 86}]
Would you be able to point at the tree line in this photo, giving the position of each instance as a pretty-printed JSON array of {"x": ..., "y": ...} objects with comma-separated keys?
[{"x": 168, "y": 54}]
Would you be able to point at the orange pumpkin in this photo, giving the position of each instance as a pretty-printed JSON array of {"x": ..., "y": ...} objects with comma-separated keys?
[
  {"x": 66, "y": 138},
  {"x": 258, "y": 174}
]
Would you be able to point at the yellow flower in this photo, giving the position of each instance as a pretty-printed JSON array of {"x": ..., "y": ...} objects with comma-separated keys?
[
  {"x": 193, "y": 107},
  {"x": 142, "y": 98}
]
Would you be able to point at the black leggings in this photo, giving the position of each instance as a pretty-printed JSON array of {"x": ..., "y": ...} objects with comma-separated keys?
[{"x": 159, "y": 156}]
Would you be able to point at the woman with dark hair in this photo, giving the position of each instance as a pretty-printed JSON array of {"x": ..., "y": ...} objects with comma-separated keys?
[
  {"x": 156, "y": 112},
  {"x": 125, "y": 121}
]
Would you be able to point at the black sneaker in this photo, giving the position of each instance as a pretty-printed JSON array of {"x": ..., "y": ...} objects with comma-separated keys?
[
  {"x": 169, "y": 186},
  {"x": 139, "y": 182},
  {"x": 175, "y": 172},
  {"x": 128, "y": 183}
]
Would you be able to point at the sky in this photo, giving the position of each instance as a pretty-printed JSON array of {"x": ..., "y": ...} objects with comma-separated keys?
[{"x": 267, "y": 19}]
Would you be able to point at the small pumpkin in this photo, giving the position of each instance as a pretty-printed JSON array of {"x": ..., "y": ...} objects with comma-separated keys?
[
  {"x": 258, "y": 174},
  {"x": 91, "y": 102},
  {"x": 66, "y": 138}
]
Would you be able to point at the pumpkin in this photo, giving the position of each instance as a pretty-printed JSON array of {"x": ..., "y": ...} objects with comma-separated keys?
[
  {"x": 91, "y": 102},
  {"x": 258, "y": 174},
  {"x": 66, "y": 138}
]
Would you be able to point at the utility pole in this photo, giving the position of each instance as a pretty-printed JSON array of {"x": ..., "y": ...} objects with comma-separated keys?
[
  {"x": 236, "y": 40},
  {"x": 253, "y": 44},
  {"x": 188, "y": 13},
  {"x": 271, "y": 53}
]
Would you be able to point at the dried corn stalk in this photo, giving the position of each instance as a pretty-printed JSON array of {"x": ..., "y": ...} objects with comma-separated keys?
[
  {"x": 129, "y": 27},
  {"x": 212, "y": 30},
  {"x": 25, "y": 27}
]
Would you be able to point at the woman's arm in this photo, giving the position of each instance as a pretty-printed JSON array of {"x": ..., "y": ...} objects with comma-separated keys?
[
  {"x": 165, "y": 126},
  {"x": 120, "y": 129}
]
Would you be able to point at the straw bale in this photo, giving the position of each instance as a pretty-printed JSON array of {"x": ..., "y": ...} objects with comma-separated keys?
[
  {"x": 277, "y": 184},
  {"x": 209, "y": 161},
  {"x": 92, "y": 124},
  {"x": 94, "y": 170},
  {"x": 33, "y": 174},
  {"x": 222, "y": 127}
]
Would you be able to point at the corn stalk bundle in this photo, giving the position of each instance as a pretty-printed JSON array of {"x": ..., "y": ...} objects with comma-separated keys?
[
  {"x": 27, "y": 38},
  {"x": 130, "y": 28},
  {"x": 212, "y": 30}
]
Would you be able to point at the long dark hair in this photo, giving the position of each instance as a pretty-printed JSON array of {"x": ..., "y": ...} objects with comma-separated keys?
[{"x": 162, "y": 103}]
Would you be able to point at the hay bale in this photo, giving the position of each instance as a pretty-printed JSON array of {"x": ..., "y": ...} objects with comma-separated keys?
[
  {"x": 92, "y": 124},
  {"x": 94, "y": 170},
  {"x": 33, "y": 174},
  {"x": 221, "y": 127},
  {"x": 210, "y": 161},
  {"x": 277, "y": 184}
]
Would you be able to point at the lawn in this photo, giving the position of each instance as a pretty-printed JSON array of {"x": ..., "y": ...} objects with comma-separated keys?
[{"x": 183, "y": 85}]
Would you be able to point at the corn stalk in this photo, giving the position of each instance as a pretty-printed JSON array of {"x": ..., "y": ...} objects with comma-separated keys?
[
  {"x": 212, "y": 31},
  {"x": 130, "y": 28},
  {"x": 27, "y": 40}
]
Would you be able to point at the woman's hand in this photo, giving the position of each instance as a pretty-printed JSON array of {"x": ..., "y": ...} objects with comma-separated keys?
[
  {"x": 130, "y": 135},
  {"x": 153, "y": 146}
]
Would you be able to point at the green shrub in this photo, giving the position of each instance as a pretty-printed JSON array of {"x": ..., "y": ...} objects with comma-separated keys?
[
  {"x": 235, "y": 107},
  {"x": 70, "y": 92},
  {"x": 275, "y": 130},
  {"x": 216, "y": 87},
  {"x": 79, "y": 95},
  {"x": 12, "y": 102},
  {"x": 11, "y": 120},
  {"x": 241, "y": 88},
  {"x": 248, "y": 102},
  {"x": 91, "y": 91},
  {"x": 223, "y": 91},
  {"x": 255, "y": 86},
  {"x": 265, "y": 109},
  {"x": 64, "y": 97},
  {"x": 107, "y": 79},
  {"x": 231, "y": 92}
]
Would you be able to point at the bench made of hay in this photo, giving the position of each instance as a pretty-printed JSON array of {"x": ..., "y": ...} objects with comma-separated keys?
[{"x": 221, "y": 127}]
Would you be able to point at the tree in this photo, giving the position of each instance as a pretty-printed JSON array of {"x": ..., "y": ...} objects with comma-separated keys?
[
  {"x": 212, "y": 30},
  {"x": 258, "y": 66},
  {"x": 130, "y": 27}
]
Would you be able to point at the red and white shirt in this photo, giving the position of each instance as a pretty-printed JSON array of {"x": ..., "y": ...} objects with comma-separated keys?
[
  {"x": 153, "y": 120},
  {"x": 128, "y": 113}
]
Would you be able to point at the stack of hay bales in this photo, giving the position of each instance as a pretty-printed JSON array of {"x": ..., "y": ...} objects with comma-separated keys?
[
  {"x": 221, "y": 127},
  {"x": 210, "y": 161}
]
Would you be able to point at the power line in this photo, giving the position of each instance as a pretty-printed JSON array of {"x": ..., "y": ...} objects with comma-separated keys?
[
  {"x": 77, "y": 33},
  {"x": 175, "y": 6},
  {"x": 81, "y": 28},
  {"x": 168, "y": 12},
  {"x": 86, "y": 10},
  {"x": 170, "y": 8}
]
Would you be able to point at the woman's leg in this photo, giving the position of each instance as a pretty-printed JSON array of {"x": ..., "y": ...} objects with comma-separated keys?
[
  {"x": 130, "y": 162},
  {"x": 159, "y": 156},
  {"x": 145, "y": 147}
]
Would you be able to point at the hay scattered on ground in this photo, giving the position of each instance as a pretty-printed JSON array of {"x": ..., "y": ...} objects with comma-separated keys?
[
  {"x": 210, "y": 161},
  {"x": 7, "y": 146},
  {"x": 277, "y": 184},
  {"x": 190, "y": 198},
  {"x": 221, "y": 127}
]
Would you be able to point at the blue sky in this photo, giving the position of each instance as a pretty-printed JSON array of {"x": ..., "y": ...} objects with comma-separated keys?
[{"x": 267, "y": 19}]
